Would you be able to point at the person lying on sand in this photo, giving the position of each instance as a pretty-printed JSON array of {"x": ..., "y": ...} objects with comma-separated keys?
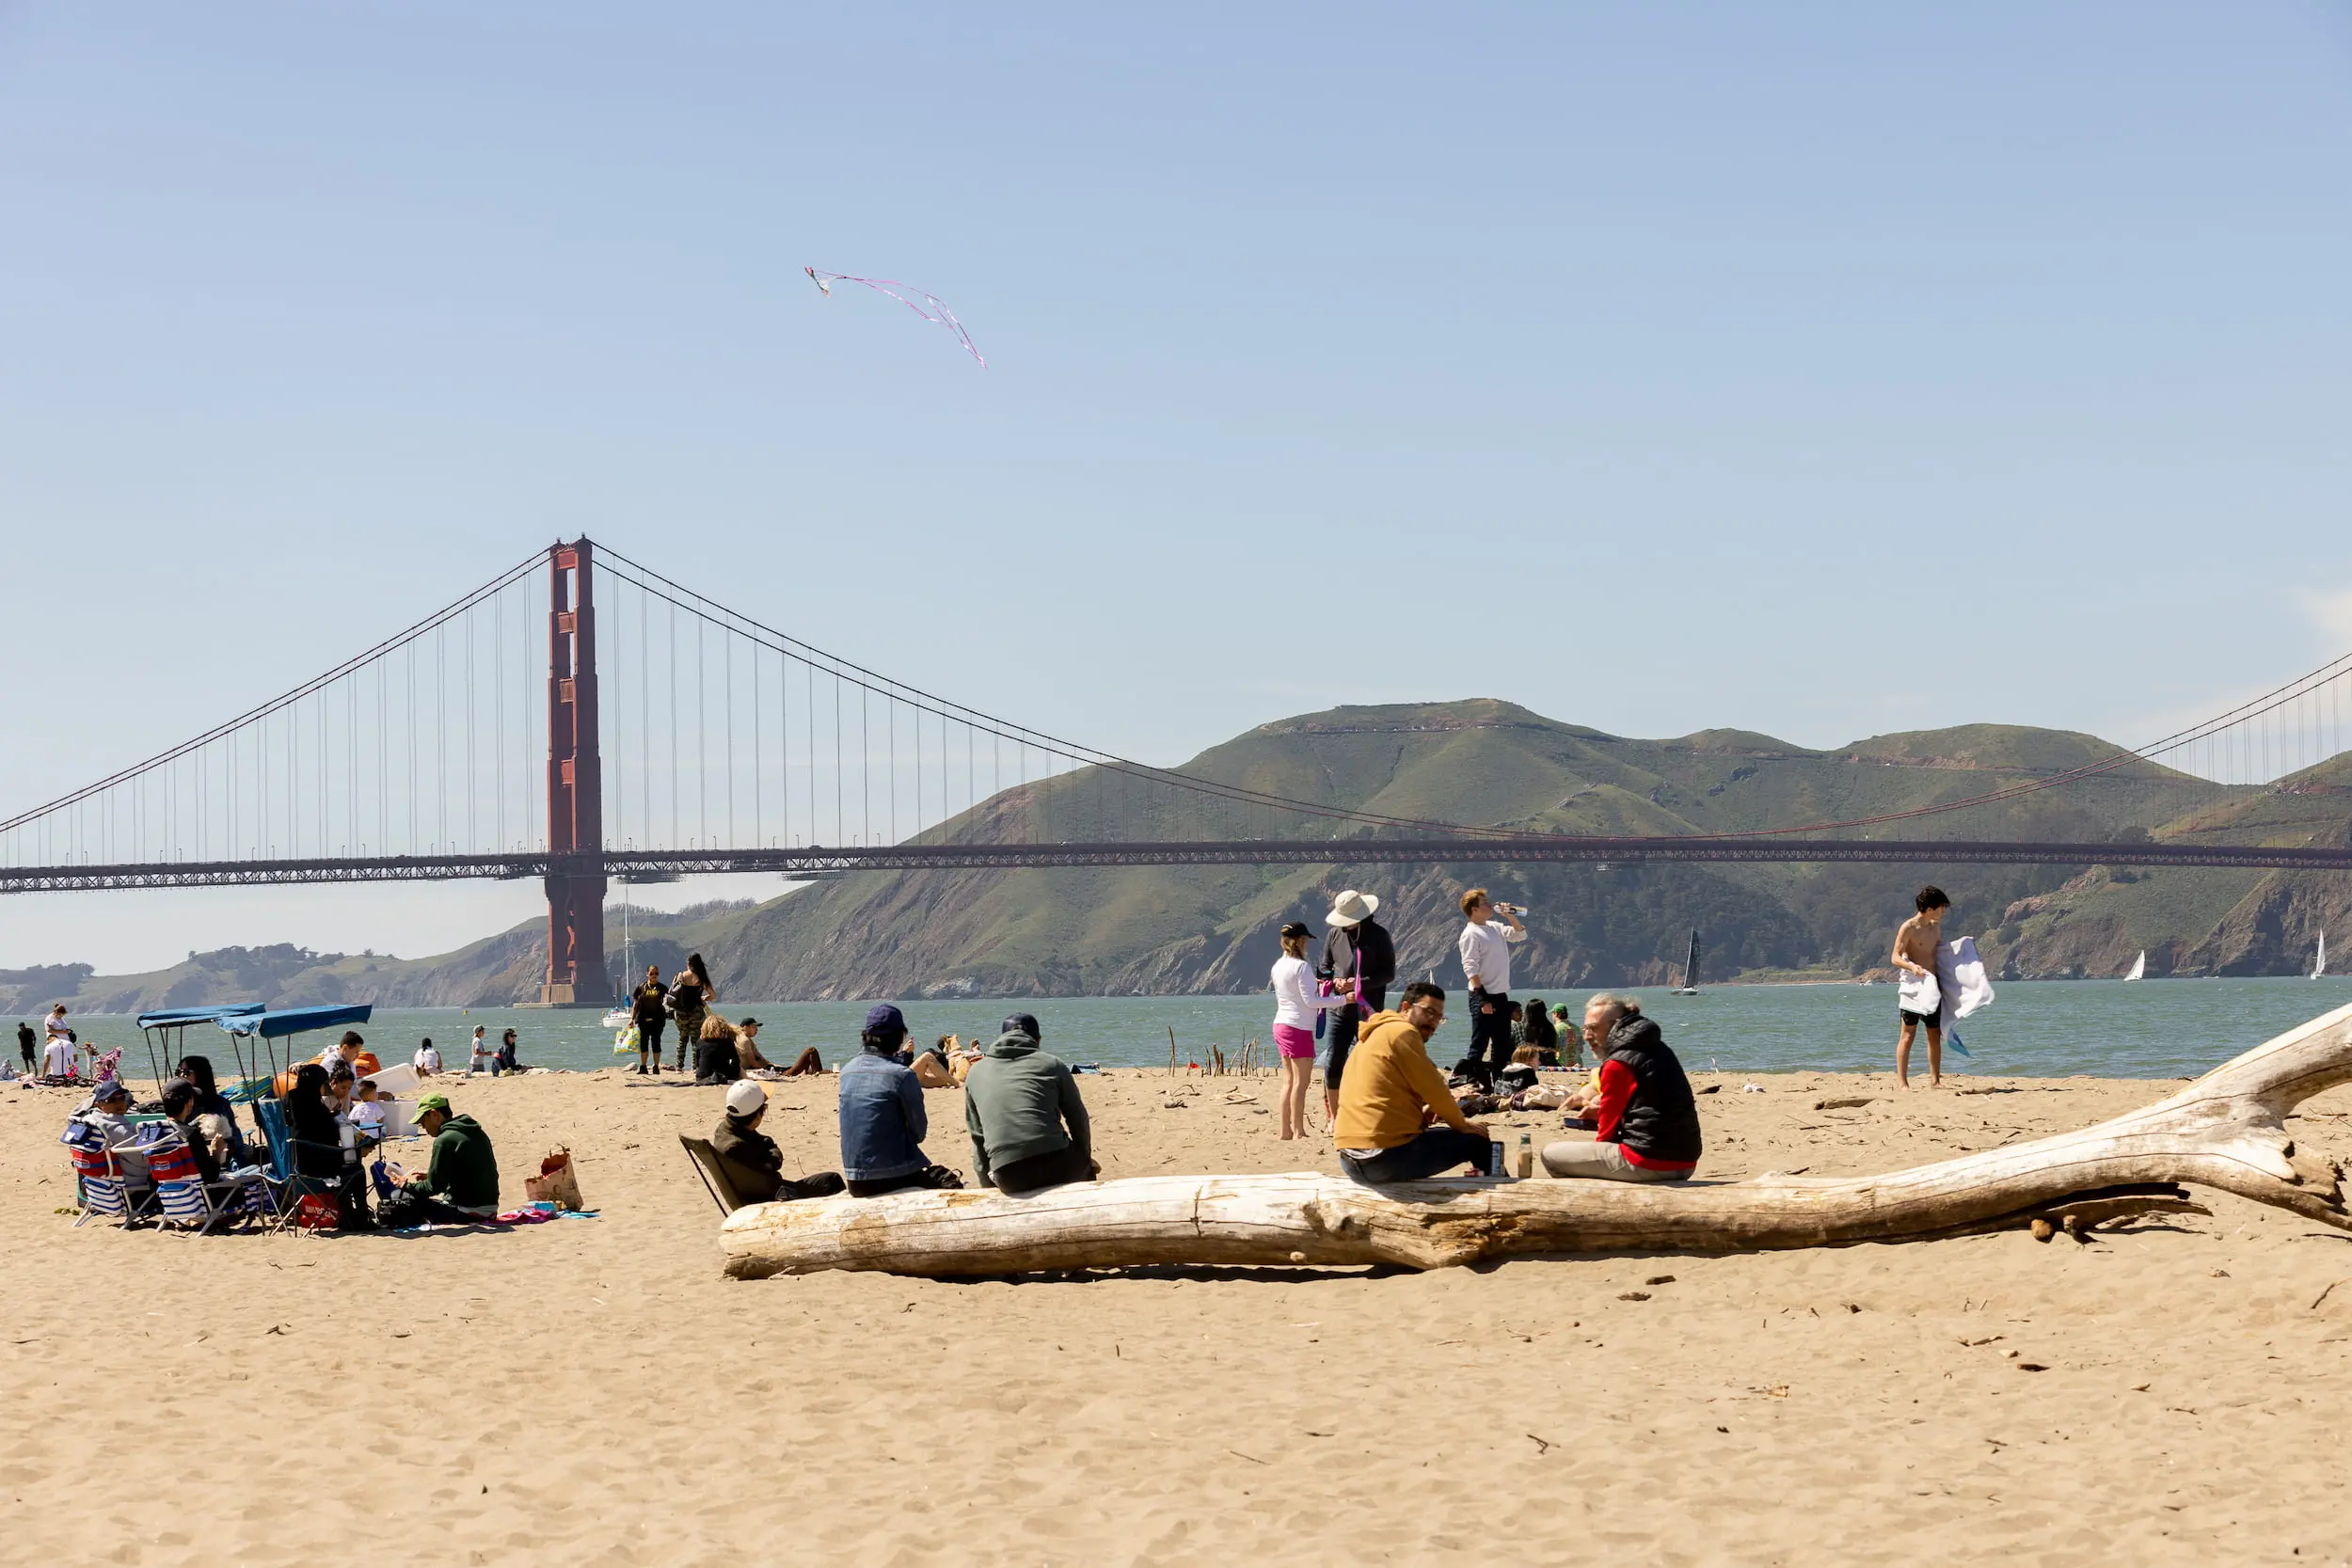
[
  {"x": 753, "y": 1164},
  {"x": 1392, "y": 1091},
  {"x": 807, "y": 1063},
  {"x": 1645, "y": 1124},
  {"x": 931, "y": 1067}
]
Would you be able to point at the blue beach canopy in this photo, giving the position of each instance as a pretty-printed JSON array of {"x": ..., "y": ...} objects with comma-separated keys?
[
  {"x": 179, "y": 1018},
  {"x": 294, "y": 1021}
]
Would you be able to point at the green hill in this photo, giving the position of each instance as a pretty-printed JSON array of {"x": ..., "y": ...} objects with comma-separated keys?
[{"x": 1157, "y": 929}]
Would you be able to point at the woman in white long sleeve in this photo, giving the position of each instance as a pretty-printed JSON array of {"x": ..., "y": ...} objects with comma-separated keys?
[{"x": 1295, "y": 1004}]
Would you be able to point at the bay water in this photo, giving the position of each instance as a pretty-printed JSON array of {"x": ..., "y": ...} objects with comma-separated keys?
[{"x": 2040, "y": 1029}]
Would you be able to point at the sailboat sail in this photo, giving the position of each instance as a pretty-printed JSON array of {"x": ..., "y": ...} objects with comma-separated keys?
[
  {"x": 1690, "y": 985},
  {"x": 2139, "y": 967},
  {"x": 2319, "y": 964}
]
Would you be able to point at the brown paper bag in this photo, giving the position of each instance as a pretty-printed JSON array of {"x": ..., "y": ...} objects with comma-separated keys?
[{"x": 556, "y": 1182}]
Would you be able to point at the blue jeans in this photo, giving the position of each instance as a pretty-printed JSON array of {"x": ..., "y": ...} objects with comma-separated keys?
[{"x": 1432, "y": 1152}]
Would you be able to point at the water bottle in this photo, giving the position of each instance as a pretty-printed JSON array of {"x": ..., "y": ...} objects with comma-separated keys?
[
  {"x": 1526, "y": 1156},
  {"x": 1494, "y": 1158}
]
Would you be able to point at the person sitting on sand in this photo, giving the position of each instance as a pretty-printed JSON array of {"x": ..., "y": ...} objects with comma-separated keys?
[
  {"x": 1645, "y": 1124},
  {"x": 1028, "y": 1120},
  {"x": 715, "y": 1059},
  {"x": 1390, "y": 1093},
  {"x": 882, "y": 1119},
  {"x": 461, "y": 1184},
  {"x": 57, "y": 1059},
  {"x": 428, "y": 1060},
  {"x": 505, "y": 1061},
  {"x": 753, "y": 1164}
]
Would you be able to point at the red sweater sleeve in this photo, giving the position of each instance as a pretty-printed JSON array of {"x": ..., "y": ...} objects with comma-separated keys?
[{"x": 1617, "y": 1089}]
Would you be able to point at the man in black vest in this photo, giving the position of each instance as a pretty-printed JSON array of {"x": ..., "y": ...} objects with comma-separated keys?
[
  {"x": 1646, "y": 1125},
  {"x": 1358, "y": 948}
]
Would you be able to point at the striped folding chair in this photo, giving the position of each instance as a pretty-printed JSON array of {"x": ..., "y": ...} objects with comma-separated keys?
[
  {"x": 184, "y": 1197},
  {"x": 100, "y": 1187}
]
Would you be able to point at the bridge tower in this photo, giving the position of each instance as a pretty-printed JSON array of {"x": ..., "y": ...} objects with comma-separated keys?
[{"x": 576, "y": 972}]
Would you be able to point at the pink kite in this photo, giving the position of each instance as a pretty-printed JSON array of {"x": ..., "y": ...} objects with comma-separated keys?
[{"x": 947, "y": 318}]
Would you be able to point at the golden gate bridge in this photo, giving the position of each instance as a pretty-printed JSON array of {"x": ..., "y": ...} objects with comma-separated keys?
[{"x": 658, "y": 734}]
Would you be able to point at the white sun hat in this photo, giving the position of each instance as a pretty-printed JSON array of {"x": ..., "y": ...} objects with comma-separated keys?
[{"x": 1351, "y": 906}]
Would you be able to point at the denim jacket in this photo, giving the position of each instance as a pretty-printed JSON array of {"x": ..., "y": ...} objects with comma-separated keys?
[{"x": 883, "y": 1122}]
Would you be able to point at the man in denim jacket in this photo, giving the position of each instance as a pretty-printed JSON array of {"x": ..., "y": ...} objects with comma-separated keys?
[{"x": 882, "y": 1119}]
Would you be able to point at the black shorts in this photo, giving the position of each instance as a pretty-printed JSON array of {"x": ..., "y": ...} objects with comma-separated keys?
[{"x": 1934, "y": 1020}]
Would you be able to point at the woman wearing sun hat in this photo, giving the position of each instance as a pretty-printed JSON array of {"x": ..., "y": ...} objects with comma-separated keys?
[{"x": 1358, "y": 948}]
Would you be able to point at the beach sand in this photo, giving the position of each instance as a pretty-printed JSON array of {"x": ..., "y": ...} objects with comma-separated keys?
[{"x": 596, "y": 1393}]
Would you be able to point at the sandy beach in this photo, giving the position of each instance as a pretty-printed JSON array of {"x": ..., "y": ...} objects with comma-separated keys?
[{"x": 596, "y": 1393}]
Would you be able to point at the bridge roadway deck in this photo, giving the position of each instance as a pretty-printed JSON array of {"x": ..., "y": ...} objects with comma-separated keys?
[{"x": 668, "y": 864}]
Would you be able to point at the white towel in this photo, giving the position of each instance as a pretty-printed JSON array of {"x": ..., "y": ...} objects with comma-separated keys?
[
  {"x": 1917, "y": 994},
  {"x": 1965, "y": 988}
]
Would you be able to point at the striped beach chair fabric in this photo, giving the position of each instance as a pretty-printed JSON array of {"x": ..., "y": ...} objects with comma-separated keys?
[
  {"x": 183, "y": 1197},
  {"x": 99, "y": 1185}
]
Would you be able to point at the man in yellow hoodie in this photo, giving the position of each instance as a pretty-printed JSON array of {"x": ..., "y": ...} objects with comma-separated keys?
[{"x": 1392, "y": 1092}]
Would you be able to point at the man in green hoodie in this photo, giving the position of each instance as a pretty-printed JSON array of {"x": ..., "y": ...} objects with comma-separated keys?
[
  {"x": 1029, "y": 1128},
  {"x": 461, "y": 1187}
]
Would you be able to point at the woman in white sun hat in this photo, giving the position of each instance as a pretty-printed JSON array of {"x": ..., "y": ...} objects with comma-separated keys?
[{"x": 1358, "y": 949}]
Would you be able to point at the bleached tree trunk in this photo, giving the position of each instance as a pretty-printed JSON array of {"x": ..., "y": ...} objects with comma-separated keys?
[{"x": 2224, "y": 1130}]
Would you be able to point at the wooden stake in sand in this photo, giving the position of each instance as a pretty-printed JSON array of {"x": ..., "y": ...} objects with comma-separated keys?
[{"x": 2224, "y": 1130}]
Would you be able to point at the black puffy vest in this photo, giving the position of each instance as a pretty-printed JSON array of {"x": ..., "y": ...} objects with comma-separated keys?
[{"x": 1661, "y": 1121}]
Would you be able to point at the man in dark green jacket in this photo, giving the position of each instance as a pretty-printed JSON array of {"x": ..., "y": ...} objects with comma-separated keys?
[
  {"x": 1029, "y": 1125},
  {"x": 462, "y": 1183}
]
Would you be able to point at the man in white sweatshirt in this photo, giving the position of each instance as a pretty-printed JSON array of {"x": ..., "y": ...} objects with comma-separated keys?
[{"x": 1486, "y": 946}]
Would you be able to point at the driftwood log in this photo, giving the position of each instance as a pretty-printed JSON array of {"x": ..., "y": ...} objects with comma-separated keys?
[{"x": 2224, "y": 1130}]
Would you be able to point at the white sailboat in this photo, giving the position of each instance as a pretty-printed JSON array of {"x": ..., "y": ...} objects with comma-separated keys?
[
  {"x": 2319, "y": 964},
  {"x": 619, "y": 1017},
  {"x": 2139, "y": 967}
]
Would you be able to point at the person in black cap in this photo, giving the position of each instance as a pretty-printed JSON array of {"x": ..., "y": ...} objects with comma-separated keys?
[
  {"x": 882, "y": 1119},
  {"x": 1028, "y": 1123}
]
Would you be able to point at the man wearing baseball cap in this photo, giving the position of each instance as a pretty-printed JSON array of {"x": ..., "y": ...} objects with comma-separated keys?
[
  {"x": 753, "y": 1164},
  {"x": 882, "y": 1119}
]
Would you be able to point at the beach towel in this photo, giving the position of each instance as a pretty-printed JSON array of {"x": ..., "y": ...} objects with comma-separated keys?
[
  {"x": 1918, "y": 993},
  {"x": 1965, "y": 986}
]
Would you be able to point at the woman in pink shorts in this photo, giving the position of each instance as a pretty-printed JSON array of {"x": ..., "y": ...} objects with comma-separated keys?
[{"x": 1295, "y": 1004}]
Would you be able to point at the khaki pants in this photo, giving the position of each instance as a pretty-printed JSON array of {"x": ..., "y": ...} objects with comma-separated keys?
[{"x": 1601, "y": 1161}]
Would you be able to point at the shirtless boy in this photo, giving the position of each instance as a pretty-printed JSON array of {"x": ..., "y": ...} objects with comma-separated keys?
[{"x": 1916, "y": 944}]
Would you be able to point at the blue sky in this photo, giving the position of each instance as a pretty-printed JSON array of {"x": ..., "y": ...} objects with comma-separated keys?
[{"x": 1816, "y": 370}]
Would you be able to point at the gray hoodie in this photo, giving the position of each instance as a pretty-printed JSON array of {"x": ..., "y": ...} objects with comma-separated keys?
[{"x": 1015, "y": 1102}]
